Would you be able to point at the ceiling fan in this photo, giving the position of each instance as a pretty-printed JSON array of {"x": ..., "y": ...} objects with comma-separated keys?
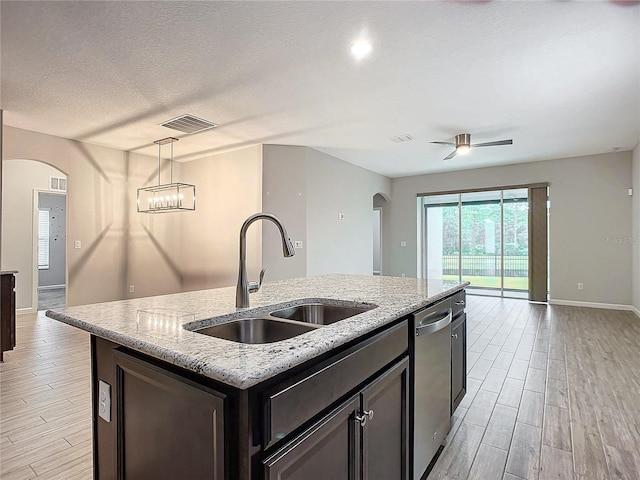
[{"x": 463, "y": 144}]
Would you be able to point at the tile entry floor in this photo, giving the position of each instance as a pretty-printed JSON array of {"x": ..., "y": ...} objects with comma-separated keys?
[{"x": 553, "y": 392}]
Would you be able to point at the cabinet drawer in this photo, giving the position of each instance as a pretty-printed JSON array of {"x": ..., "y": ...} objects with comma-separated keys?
[
  {"x": 289, "y": 405},
  {"x": 458, "y": 302}
]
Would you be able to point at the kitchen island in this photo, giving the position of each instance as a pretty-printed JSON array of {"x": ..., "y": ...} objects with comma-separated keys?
[{"x": 170, "y": 402}]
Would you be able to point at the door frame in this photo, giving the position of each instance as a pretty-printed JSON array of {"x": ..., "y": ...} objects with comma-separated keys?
[
  {"x": 379, "y": 209},
  {"x": 34, "y": 240}
]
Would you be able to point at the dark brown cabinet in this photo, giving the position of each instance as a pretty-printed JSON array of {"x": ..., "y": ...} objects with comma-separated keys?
[
  {"x": 328, "y": 449},
  {"x": 458, "y": 360},
  {"x": 343, "y": 416},
  {"x": 7, "y": 312},
  {"x": 365, "y": 438},
  {"x": 161, "y": 425}
]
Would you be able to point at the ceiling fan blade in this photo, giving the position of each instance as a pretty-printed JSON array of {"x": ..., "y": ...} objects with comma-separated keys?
[
  {"x": 451, "y": 155},
  {"x": 493, "y": 144},
  {"x": 445, "y": 143}
]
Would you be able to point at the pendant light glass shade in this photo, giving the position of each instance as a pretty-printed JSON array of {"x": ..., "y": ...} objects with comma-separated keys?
[{"x": 168, "y": 197}]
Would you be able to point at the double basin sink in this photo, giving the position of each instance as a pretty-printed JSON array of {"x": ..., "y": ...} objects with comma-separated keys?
[{"x": 283, "y": 323}]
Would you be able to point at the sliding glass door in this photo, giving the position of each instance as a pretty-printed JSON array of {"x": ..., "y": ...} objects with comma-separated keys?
[{"x": 480, "y": 237}]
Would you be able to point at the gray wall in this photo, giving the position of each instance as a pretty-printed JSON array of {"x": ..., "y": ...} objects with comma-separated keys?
[
  {"x": 307, "y": 189},
  {"x": 284, "y": 193},
  {"x": 157, "y": 254},
  {"x": 228, "y": 190},
  {"x": 335, "y": 186},
  {"x": 57, "y": 205},
  {"x": 182, "y": 251},
  {"x": 589, "y": 220},
  {"x": 96, "y": 210},
  {"x": 636, "y": 228}
]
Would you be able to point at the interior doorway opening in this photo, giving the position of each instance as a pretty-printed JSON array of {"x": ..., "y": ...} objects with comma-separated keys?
[
  {"x": 22, "y": 182},
  {"x": 51, "y": 249},
  {"x": 379, "y": 202}
]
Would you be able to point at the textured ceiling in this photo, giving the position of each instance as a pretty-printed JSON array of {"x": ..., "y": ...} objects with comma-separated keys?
[{"x": 560, "y": 78}]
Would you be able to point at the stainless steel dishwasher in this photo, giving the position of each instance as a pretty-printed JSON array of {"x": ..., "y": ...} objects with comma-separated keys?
[{"x": 432, "y": 383}]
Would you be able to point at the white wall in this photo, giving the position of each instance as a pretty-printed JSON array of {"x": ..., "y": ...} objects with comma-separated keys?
[
  {"x": 636, "y": 228},
  {"x": 307, "y": 189},
  {"x": 19, "y": 179},
  {"x": 589, "y": 221}
]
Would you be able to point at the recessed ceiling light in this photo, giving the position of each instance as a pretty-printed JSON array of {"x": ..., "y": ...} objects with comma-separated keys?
[{"x": 360, "y": 48}]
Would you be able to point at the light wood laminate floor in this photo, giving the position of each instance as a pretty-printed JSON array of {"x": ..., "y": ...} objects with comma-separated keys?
[{"x": 553, "y": 392}]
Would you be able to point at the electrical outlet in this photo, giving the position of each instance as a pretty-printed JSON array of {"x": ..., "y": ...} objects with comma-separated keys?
[
  {"x": 403, "y": 243},
  {"x": 77, "y": 244},
  {"x": 340, "y": 216},
  {"x": 581, "y": 286},
  {"x": 403, "y": 275},
  {"x": 132, "y": 289},
  {"x": 104, "y": 401},
  {"x": 297, "y": 244}
]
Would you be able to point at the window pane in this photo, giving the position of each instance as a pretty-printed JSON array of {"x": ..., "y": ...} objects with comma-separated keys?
[
  {"x": 516, "y": 240},
  {"x": 442, "y": 237},
  {"x": 43, "y": 239},
  {"x": 481, "y": 239}
]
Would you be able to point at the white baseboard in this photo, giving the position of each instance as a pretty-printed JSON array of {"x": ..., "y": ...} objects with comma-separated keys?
[
  {"x": 636, "y": 311},
  {"x": 607, "y": 306},
  {"x": 51, "y": 287},
  {"x": 25, "y": 311}
]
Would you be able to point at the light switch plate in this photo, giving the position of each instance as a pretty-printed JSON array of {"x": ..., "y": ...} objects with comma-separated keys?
[
  {"x": 77, "y": 244},
  {"x": 104, "y": 401}
]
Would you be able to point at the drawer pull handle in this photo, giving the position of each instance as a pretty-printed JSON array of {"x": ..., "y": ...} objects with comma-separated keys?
[
  {"x": 454, "y": 336},
  {"x": 460, "y": 302}
]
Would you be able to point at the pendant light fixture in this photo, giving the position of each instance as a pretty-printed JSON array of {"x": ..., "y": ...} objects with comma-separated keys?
[{"x": 168, "y": 197}]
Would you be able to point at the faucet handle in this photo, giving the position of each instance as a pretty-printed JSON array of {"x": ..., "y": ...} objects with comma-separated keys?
[{"x": 255, "y": 286}]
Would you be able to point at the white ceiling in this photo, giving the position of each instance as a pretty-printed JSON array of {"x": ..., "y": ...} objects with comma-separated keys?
[{"x": 560, "y": 78}]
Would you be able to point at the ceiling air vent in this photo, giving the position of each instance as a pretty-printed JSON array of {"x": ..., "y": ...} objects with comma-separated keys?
[
  {"x": 189, "y": 124},
  {"x": 401, "y": 138}
]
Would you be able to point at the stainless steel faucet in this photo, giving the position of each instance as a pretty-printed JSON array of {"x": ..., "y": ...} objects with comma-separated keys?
[{"x": 245, "y": 287}]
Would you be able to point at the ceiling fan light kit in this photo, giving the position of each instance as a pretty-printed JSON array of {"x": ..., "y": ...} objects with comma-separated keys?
[{"x": 463, "y": 144}]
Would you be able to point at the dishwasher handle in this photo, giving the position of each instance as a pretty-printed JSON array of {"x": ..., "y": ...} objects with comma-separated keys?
[{"x": 432, "y": 325}]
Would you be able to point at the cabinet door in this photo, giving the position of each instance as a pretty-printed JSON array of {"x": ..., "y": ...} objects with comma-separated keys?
[
  {"x": 329, "y": 449},
  {"x": 385, "y": 435},
  {"x": 167, "y": 426},
  {"x": 458, "y": 361}
]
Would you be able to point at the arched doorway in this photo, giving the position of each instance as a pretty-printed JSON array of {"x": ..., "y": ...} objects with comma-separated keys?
[{"x": 34, "y": 232}]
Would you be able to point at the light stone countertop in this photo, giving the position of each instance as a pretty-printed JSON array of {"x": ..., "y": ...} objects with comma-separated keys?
[{"x": 241, "y": 365}]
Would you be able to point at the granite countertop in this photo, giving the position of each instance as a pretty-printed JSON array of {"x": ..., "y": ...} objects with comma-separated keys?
[{"x": 129, "y": 322}]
